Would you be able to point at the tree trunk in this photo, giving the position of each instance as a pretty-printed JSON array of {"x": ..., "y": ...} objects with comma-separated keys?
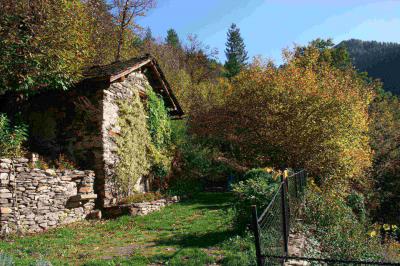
[{"x": 121, "y": 32}]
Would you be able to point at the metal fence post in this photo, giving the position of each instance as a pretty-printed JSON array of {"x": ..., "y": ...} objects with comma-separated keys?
[
  {"x": 256, "y": 229},
  {"x": 284, "y": 219}
]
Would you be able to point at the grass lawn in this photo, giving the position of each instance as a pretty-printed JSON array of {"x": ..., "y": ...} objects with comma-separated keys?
[{"x": 194, "y": 232}]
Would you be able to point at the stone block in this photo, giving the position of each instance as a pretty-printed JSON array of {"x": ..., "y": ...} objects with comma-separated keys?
[
  {"x": 42, "y": 188},
  {"x": 20, "y": 169},
  {"x": 85, "y": 189},
  {"x": 50, "y": 172},
  {"x": 5, "y": 210},
  {"x": 22, "y": 160},
  {"x": 4, "y": 176},
  {"x": 5, "y": 195}
]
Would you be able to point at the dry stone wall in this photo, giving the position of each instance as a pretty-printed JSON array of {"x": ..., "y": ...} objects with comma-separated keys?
[
  {"x": 141, "y": 208},
  {"x": 33, "y": 200}
]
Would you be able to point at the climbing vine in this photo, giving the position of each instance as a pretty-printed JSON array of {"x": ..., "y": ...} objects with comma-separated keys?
[
  {"x": 133, "y": 144},
  {"x": 144, "y": 142},
  {"x": 160, "y": 131}
]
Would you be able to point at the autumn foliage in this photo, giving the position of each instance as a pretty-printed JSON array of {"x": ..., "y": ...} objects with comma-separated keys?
[{"x": 306, "y": 114}]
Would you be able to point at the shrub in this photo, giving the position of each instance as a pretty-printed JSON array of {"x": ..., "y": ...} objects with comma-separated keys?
[
  {"x": 193, "y": 162},
  {"x": 341, "y": 234},
  {"x": 142, "y": 197},
  {"x": 257, "y": 189},
  {"x": 356, "y": 201},
  {"x": 185, "y": 186},
  {"x": 239, "y": 250},
  {"x": 159, "y": 125},
  {"x": 11, "y": 137},
  {"x": 266, "y": 173}
]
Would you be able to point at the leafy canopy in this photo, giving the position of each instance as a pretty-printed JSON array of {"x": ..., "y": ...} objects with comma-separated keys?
[
  {"x": 44, "y": 45},
  {"x": 306, "y": 114}
]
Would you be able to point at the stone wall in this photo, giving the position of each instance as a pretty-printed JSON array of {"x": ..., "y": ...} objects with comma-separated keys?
[
  {"x": 140, "y": 209},
  {"x": 33, "y": 200},
  {"x": 84, "y": 124},
  {"x": 120, "y": 90}
]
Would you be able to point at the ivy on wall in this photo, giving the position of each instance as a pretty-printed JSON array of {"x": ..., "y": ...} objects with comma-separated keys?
[
  {"x": 133, "y": 144},
  {"x": 159, "y": 122},
  {"x": 144, "y": 142},
  {"x": 11, "y": 137},
  {"x": 160, "y": 131}
]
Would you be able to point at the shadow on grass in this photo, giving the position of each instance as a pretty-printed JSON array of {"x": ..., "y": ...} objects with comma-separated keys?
[
  {"x": 197, "y": 240},
  {"x": 210, "y": 198}
]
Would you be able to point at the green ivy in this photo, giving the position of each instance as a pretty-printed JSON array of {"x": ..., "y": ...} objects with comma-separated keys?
[
  {"x": 11, "y": 137},
  {"x": 134, "y": 144},
  {"x": 144, "y": 143},
  {"x": 160, "y": 131},
  {"x": 159, "y": 122}
]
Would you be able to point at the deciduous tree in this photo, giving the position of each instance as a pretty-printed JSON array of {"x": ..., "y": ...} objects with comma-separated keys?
[
  {"x": 307, "y": 114},
  {"x": 44, "y": 43},
  {"x": 126, "y": 11}
]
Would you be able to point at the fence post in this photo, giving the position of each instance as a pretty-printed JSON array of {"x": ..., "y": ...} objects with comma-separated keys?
[
  {"x": 260, "y": 260},
  {"x": 284, "y": 218}
]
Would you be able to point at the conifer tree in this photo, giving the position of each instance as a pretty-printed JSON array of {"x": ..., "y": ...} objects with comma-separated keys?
[
  {"x": 172, "y": 39},
  {"x": 236, "y": 54},
  {"x": 148, "y": 35}
]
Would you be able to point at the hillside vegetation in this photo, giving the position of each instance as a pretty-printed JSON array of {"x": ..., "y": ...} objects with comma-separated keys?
[
  {"x": 379, "y": 59},
  {"x": 315, "y": 112}
]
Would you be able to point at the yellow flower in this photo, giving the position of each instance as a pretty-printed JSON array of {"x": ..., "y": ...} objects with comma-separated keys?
[{"x": 386, "y": 227}]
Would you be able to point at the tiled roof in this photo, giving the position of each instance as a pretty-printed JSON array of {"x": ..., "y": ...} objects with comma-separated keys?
[
  {"x": 115, "y": 68},
  {"x": 114, "y": 71}
]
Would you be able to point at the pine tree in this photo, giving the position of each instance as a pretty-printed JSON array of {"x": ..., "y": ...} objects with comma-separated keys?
[
  {"x": 235, "y": 52},
  {"x": 172, "y": 39},
  {"x": 148, "y": 36}
]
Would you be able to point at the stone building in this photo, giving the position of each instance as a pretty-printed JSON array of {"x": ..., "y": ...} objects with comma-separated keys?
[{"x": 82, "y": 121}]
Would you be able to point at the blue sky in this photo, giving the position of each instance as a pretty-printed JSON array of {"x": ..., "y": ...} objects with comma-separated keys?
[{"x": 268, "y": 26}]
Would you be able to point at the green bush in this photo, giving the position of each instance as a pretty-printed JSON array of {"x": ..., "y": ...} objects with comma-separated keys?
[
  {"x": 239, "y": 250},
  {"x": 141, "y": 197},
  {"x": 256, "y": 173},
  {"x": 11, "y": 137},
  {"x": 258, "y": 189},
  {"x": 356, "y": 201},
  {"x": 185, "y": 186},
  {"x": 193, "y": 162},
  {"x": 159, "y": 125},
  {"x": 341, "y": 234}
]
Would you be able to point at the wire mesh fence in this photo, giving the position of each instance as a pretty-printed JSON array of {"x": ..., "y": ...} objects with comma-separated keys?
[{"x": 272, "y": 227}]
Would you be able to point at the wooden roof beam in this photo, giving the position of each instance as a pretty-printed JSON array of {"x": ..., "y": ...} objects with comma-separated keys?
[{"x": 129, "y": 70}]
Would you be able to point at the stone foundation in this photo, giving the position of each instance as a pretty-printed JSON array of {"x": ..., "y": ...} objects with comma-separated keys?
[
  {"x": 142, "y": 208},
  {"x": 33, "y": 200}
]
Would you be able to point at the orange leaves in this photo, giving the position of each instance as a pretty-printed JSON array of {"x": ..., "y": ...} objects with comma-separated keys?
[{"x": 305, "y": 114}]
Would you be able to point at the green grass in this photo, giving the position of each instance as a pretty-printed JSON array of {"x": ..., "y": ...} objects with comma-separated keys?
[{"x": 194, "y": 232}]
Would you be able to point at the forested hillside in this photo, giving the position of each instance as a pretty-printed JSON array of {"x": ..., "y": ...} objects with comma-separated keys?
[{"x": 379, "y": 59}]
